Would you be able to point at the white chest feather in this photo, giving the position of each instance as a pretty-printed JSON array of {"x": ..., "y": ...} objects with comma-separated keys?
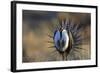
[{"x": 61, "y": 40}]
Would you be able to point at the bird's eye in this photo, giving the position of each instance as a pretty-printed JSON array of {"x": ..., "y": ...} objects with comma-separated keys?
[{"x": 61, "y": 40}]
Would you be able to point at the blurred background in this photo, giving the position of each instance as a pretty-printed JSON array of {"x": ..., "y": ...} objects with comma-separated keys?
[{"x": 39, "y": 25}]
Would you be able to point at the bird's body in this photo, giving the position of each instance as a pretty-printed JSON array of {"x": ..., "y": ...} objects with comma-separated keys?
[
  {"x": 66, "y": 37},
  {"x": 63, "y": 41}
]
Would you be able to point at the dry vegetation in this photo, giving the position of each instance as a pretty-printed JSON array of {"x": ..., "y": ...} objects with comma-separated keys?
[{"x": 38, "y": 25}]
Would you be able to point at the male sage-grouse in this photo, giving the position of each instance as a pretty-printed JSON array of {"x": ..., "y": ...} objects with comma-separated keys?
[{"x": 66, "y": 37}]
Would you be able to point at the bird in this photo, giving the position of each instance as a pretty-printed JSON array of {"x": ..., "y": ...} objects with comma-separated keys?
[
  {"x": 63, "y": 40},
  {"x": 67, "y": 37}
]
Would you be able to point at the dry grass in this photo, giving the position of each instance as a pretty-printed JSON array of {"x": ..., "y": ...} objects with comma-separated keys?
[{"x": 35, "y": 38}]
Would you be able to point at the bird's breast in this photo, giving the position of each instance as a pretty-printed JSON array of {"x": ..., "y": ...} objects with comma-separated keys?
[{"x": 61, "y": 40}]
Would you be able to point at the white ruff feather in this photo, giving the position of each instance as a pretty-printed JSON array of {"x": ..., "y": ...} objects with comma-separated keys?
[{"x": 65, "y": 37}]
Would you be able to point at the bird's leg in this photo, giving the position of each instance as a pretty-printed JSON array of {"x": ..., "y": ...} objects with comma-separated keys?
[
  {"x": 66, "y": 56},
  {"x": 63, "y": 57}
]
